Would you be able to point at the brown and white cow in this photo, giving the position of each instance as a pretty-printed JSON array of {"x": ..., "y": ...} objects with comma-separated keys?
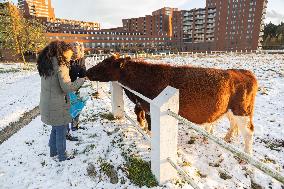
[{"x": 205, "y": 93}]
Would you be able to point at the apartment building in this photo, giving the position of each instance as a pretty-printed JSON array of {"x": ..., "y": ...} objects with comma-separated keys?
[
  {"x": 36, "y": 8},
  {"x": 159, "y": 23},
  {"x": 223, "y": 25}
]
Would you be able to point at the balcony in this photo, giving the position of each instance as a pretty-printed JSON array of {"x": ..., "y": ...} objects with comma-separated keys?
[
  {"x": 200, "y": 17},
  {"x": 188, "y": 15},
  {"x": 199, "y": 31},
  {"x": 199, "y": 28},
  {"x": 187, "y": 25},
  {"x": 210, "y": 26},
  {"x": 210, "y": 11},
  {"x": 211, "y": 21},
  {"x": 199, "y": 24},
  {"x": 210, "y": 35},
  {"x": 187, "y": 20},
  {"x": 210, "y": 31},
  {"x": 211, "y": 16}
]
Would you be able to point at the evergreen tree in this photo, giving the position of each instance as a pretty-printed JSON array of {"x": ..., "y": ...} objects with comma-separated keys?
[{"x": 273, "y": 36}]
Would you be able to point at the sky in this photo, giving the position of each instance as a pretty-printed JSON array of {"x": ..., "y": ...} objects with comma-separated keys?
[{"x": 110, "y": 12}]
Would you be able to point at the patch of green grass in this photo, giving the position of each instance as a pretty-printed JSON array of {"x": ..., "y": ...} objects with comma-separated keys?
[
  {"x": 93, "y": 135},
  {"x": 109, "y": 171},
  {"x": 224, "y": 175},
  {"x": 92, "y": 119},
  {"x": 199, "y": 174},
  {"x": 29, "y": 68},
  {"x": 254, "y": 185},
  {"x": 96, "y": 95},
  {"x": 91, "y": 170},
  {"x": 214, "y": 164},
  {"x": 43, "y": 163},
  {"x": 268, "y": 160},
  {"x": 139, "y": 172},
  {"x": 272, "y": 144},
  {"x": 29, "y": 143},
  {"x": 186, "y": 164},
  {"x": 11, "y": 70},
  {"x": 180, "y": 183},
  {"x": 88, "y": 148},
  {"x": 192, "y": 140},
  {"x": 107, "y": 116}
]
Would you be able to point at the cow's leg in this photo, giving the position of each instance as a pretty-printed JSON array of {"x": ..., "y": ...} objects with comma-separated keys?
[
  {"x": 247, "y": 129},
  {"x": 209, "y": 128},
  {"x": 148, "y": 118},
  {"x": 233, "y": 127}
]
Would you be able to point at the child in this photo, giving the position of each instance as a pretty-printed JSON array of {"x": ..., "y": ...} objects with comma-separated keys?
[{"x": 77, "y": 70}]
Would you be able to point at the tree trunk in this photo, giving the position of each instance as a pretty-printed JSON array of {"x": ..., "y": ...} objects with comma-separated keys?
[
  {"x": 21, "y": 51},
  {"x": 23, "y": 57}
]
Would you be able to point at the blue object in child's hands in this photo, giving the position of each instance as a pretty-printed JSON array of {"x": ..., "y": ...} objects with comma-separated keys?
[{"x": 76, "y": 104}]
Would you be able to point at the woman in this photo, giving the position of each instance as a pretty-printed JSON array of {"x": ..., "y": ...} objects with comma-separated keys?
[{"x": 53, "y": 66}]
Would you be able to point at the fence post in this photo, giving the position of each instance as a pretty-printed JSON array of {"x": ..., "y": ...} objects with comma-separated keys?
[
  {"x": 164, "y": 134},
  {"x": 117, "y": 102}
]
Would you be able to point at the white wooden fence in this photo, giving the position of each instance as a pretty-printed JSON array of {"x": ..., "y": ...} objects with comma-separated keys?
[{"x": 164, "y": 135}]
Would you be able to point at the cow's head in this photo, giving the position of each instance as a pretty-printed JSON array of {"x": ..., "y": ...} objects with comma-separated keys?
[{"x": 107, "y": 70}]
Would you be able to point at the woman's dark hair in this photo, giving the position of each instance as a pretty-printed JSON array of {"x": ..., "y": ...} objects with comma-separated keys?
[{"x": 54, "y": 49}]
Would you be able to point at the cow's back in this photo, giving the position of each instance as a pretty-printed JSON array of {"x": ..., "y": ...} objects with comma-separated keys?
[{"x": 204, "y": 93}]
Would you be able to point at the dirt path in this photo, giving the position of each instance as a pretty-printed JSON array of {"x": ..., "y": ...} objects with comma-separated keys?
[{"x": 14, "y": 127}]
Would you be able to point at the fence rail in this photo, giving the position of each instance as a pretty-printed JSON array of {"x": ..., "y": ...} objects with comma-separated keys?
[
  {"x": 184, "y": 174},
  {"x": 254, "y": 162},
  {"x": 136, "y": 93}
]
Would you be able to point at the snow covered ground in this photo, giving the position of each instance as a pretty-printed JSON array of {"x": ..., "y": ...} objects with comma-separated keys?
[
  {"x": 25, "y": 161},
  {"x": 19, "y": 92}
]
